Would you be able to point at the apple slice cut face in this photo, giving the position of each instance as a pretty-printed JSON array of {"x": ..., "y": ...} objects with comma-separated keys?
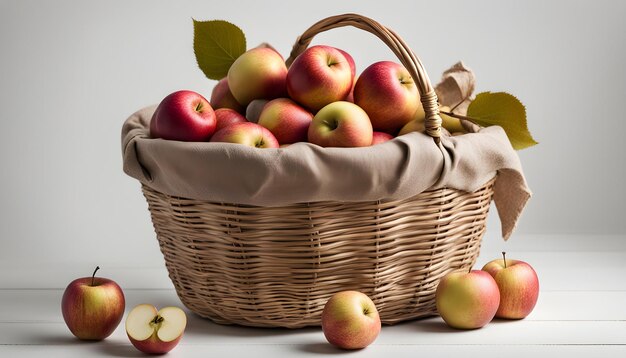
[
  {"x": 138, "y": 322},
  {"x": 173, "y": 325}
]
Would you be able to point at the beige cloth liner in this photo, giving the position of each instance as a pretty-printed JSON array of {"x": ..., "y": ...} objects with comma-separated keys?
[{"x": 304, "y": 172}]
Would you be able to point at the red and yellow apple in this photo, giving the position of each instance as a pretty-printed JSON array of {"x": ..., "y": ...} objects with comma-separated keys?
[
  {"x": 319, "y": 76},
  {"x": 518, "y": 284},
  {"x": 92, "y": 307},
  {"x": 226, "y": 116},
  {"x": 350, "y": 320},
  {"x": 388, "y": 94},
  {"x": 467, "y": 300},
  {"x": 250, "y": 134},
  {"x": 183, "y": 116},
  {"x": 341, "y": 124},
  {"x": 381, "y": 137},
  {"x": 155, "y": 332},
  {"x": 221, "y": 97},
  {"x": 286, "y": 120},
  {"x": 259, "y": 73}
]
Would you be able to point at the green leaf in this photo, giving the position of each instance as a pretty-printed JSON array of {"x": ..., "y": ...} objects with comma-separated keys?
[
  {"x": 217, "y": 45},
  {"x": 504, "y": 110}
]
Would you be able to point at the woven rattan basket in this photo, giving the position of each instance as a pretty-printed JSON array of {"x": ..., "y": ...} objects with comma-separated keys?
[{"x": 277, "y": 266}]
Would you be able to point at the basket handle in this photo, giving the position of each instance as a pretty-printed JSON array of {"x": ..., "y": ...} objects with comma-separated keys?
[{"x": 428, "y": 97}]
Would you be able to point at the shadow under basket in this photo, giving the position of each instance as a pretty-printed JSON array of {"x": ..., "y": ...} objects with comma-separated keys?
[{"x": 277, "y": 266}]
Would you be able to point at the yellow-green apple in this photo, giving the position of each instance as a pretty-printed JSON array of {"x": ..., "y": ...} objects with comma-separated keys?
[
  {"x": 350, "y": 320},
  {"x": 92, "y": 307},
  {"x": 155, "y": 332},
  {"x": 388, "y": 94},
  {"x": 518, "y": 284},
  {"x": 250, "y": 134},
  {"x": 226, "y": 117},
  {"x": 319, "y": 76},
  {"x": 254, "y": 109},
  {"x": 257, "y": 73},
  {"x": 381, "y": 137},
  {"x": 452, "y": 124},
  {"x": 416, "y": 125},
  {"x": 287, "y": 121},
  {"x": 341, "y": 124},
  {"x": 467, "y": 300},
  {"x": 221, "y": 97},
  {"x": 183, "y": 116}
]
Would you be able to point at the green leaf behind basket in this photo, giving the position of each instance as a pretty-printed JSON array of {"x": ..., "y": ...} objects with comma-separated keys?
[
  {"x": 217, "y": 44},
  {"x": 505, "y": 110}
]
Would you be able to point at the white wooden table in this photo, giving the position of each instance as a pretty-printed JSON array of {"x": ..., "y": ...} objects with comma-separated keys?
[{"x": 581, "y": 313}]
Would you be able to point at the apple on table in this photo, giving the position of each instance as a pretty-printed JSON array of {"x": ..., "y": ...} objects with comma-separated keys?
[
  {"x": 155, "y": 332},
  {"x": 350, "y": 320}
]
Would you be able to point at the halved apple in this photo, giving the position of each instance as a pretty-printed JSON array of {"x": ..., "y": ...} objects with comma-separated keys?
[{"x": 155, "y": 332}]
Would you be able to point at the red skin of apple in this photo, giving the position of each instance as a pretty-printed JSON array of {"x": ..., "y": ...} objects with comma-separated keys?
[
  {"x": 341, "y": 124},
  {"x": 221, "y": 97},
  {"x": 387, "y": 93},
  {"x": 154, "y": 345},
  {"x": 226, "y": 117},
  {"x": 183, "y": 116},
  {"x": 467, "y": 300},
  {"x": 319, "y": 76},
  {"x": 250, "y": 134},
  {"x": 350, "y": 320},
  {"x": 259, "y": 73},
  {"x": 350, "y": 62},
  {"x": 381, "y": 137},
  {"x": 286, "y": 120},
  {"x": 519, "y": 287},
  {"x": 92, "y": 312}
]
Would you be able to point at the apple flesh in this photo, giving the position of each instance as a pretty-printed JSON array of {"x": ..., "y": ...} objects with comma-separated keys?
[
  {"x": 226, "y": 117},
  {"x": 467, "y": 300},
  {"x": 259, "y": 73},
  {"x": 350, "y": 320},
  {"x": 518, "y": 284},
  {"x": 155, "y": 332},
  {"x": 92, "y": 307},
  {"x": 341, "y": 124},
  {"x": 222, "y": 97},
  {"x": 381, "y": 137},
  {"x": 183, "y": 116},
  {"x": 250, "y": 134},
  {"x": 286, "y": 120},
  {"x": 319, "y": 76},
  {"x": 388, "y": 94}
]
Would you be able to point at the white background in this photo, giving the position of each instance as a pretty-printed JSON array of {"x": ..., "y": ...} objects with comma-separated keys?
[{"x": 72, "y": 71}]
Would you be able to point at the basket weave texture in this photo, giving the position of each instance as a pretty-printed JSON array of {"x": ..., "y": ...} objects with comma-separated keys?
[{"x": 277, "y": 266}]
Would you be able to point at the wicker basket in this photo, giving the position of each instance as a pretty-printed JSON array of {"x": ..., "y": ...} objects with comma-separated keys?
[{"x": 277, "y": 266}]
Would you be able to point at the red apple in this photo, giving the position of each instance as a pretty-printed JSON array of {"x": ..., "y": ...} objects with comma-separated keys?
[
  {"x": 250, "y": 134},
  {"x": 319, "y": 76},
  {"x": 518, "y": 284},
  {"x": 155, "y": 332},
  {"x": 381, "y": 137},
  {"x": 221, "y": 97},
  {"x": 92, "y": 307},
  {"x": 226, "y": 117},
  {"x": 286, "y": 120},
  {"x": 350, "y": 320},
  {"x": 467, "y": 300},
  {"x": 350, "y": 62},
  {"x": 183, "y": 116},
  {"x": 387, "y": 93},
  {"x": 341, "y": 124},
  {"x": 259, "y": 73}
]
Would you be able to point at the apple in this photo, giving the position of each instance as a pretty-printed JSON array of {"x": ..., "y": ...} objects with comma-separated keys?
[
  {"x": 183, "y": 116},
  {"x": 452, "y": 124},
  {"x": 226, "y": 117},
  {"x": 319, "y": 76},
  {"x": 286, "y": 120},
  {"x": 388, "y": 94},
  {"x": 155, "y": 332},
  {"x": 350, "y": 62},
  {"x": 341, "y": 124},
  {"x": 250, "y": 134},
  {"x": 254, "y": 109},
  {"x": 467, "y": 300},
  {"x": 415, "y": 125},
  {"x": 350, "y": 320},
  {"x": 92, "y": 307},
  {"x": 381, "y": 137},
  {"x": 518, "y": 284},
  {"x": 222, "y": 97},
  {"x": 258, "y": 73}
]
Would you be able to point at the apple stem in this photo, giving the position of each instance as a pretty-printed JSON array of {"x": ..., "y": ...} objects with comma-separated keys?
[
  {"x": 504, "y": 258},
  {"x": 473, "y": 120},
  {"x": 157, "y": 319},
  {"x": 94, "y": 274},
  {"x": 470, "y": 270}
]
